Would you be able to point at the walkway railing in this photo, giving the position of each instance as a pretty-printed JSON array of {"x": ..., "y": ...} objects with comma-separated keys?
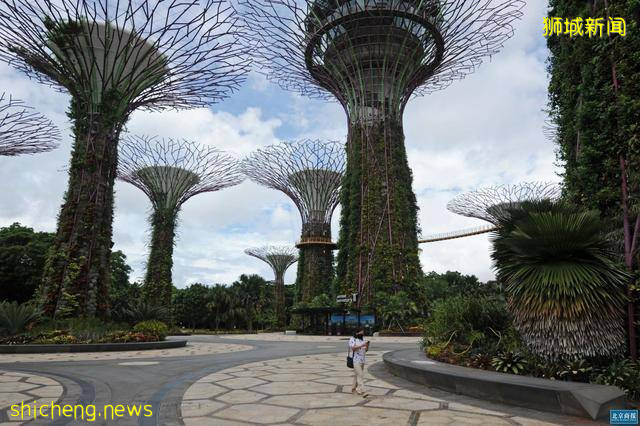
[{"x": 458, "y": 234}]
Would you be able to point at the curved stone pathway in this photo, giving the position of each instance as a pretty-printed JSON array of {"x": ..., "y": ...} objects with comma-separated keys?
[
  {"x": 192, "y": 349},
  {"x": 18, "y": 387},
  {"x": 316, "y": 390}
]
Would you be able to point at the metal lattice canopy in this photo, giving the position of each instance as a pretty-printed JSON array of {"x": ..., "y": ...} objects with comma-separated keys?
[
  {"x": 24, "y": 131},
  {"x": 171, "y": 171},
  {"x": 154, "y": 54},
  {"x": 493, "y": 204},
  {"x": 373, "y": 55},
  {"x": 308, "y": 171},
  {"x": 278, "y": 257}
]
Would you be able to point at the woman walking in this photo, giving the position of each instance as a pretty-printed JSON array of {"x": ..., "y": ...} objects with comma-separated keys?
[{"x": 358, "y": 347}]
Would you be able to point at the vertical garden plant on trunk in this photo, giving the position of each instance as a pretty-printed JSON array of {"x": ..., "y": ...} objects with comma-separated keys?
[
  {"x": 170, "y": 172},
  {"x": 594, "y": 89},
  {"x": 112, "y": 57}
]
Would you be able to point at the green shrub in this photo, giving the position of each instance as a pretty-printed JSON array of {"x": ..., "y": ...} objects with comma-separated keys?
[
  {"x": 576, "y": 371},
  {"x": 624, "y": 374},
  {"x": 545, "y": 369},
  {"x": 467, "y": 322},
  {"x": 15, "y": 318},
  {"x": 322, "y": 301},
  {"x": 58, "y": 340},
  {"x": 153, "y": 328},
  {"x": 85, "y": 329},
  {"x": 481, "y": 361},
  {"x": 509, "y": 362},
  {"x": 128, "y": 336},
  {"x": 396, "y": 310},
  {"x": 139, "y": 311}
]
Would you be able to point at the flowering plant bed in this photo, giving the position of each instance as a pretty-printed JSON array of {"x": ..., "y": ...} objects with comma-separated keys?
[{"x": 62, "y": 337}]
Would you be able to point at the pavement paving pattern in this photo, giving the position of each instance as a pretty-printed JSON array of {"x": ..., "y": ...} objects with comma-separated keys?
[
  {"x": 316, "y": 390},
  {"x": 23, "y": 387},
  {"x": 240, "y": 380}
]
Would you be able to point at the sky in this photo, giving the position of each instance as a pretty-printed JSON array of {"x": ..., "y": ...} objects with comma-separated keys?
[{"x": 485, "y": 130}]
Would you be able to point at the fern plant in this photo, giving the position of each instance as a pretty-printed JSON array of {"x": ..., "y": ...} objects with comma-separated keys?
[{"x": 16, "y": 318}]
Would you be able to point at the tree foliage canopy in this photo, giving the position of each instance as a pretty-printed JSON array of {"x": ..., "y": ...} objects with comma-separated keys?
[{"x": 22, "y": 255}]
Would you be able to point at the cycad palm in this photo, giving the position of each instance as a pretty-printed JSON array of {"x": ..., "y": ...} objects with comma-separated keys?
[{"x": 563, "y": 285}]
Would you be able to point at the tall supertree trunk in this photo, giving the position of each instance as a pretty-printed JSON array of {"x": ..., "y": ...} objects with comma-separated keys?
[
  {"x": 378, "y": 239},
  {"x": 315, "y": 271},
  {"x": 315, "y": 263},
  {"x": 278, "y": 288},
  {"x": 158, "y": 282},
  {"x": 76, "y": 275}
]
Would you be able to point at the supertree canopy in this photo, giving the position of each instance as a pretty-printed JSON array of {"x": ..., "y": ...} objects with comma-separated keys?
[
  {"x": 170, "y": 172},
  {"x": 279, "y": 258},
  {"x": 372, "y": 56},
  {"x": 24, "y": 131},
  {"x": 113, "y": 57},
  {"x": 310, "y": 173},
  {"x": 493, "y": 204}
]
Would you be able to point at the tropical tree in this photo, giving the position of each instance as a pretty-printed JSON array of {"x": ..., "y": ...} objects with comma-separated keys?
[
  {"x": 219, "y": 303},
  {"x": 398, "y": 309},
  {"x": 190, "y": 305},
  {"x": 322, "y": 301},
  {"x": 563, "y": 285},
  {"x": 250, "y": 295},
  {"x": 122, "y": 293},
  {"x": 22, "y": 257}
]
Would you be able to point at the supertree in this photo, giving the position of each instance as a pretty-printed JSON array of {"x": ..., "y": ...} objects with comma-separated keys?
[
  {"x": 310, "y": 173},
  {"x": 373, "y": 56},
  {"x": 170, "y": 172},
  {"x": 493, "y": 204},
  {"x": 279, "y": 258},
  {"x": 24, "y": 131},
  {"x": 113, "y": 57}
]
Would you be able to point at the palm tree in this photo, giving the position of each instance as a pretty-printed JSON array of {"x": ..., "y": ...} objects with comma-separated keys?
[
  {"x": 219, "y": 303},
  {"x": 562, "y": 282},
  {"x": 250, "y": 291}
]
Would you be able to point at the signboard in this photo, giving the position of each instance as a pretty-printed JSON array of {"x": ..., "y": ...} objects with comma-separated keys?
[{"x": 345, "y": 298}]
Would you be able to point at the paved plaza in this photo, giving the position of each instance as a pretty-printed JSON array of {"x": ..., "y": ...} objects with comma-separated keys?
[{"x": 249, "y": 379}]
